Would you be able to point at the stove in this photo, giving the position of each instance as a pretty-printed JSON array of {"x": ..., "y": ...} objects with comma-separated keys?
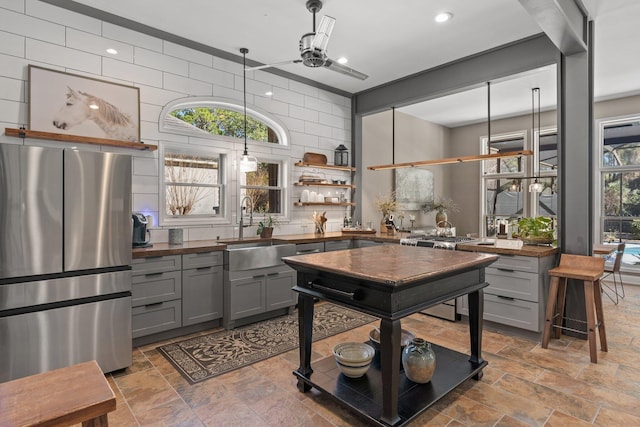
[{"x": 448, "y": 309}]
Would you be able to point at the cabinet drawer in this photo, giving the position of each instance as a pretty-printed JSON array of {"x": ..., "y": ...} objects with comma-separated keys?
[
  {"x": 337, "y": 245},
  {"x": 309, "y": 248},
  {"x": 516, "y": 263},
  {"x": 156, "y": 264},
  {"x": 150, "y": 319},
  {"x": 155, "y": 287},
  {"x": 513, "y": 284},
  {"x": 205, "y": 259},
  {"x": 516, "y": 313},
  {"x": 512, "y": 312}
]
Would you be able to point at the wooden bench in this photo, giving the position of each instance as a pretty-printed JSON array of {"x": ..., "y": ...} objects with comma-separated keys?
[{"x": 62, "y": 397}]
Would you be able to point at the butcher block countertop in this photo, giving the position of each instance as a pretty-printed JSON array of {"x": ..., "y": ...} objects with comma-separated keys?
[
  {"x": 526, "y": 250},
  {"x": 199, "y": 246}
]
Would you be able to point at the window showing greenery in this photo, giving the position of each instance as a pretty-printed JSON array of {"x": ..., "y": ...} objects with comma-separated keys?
[
  {"x": 264, "y": 186},
  {"x": 192, "y": 184},
  {"x": 219, "y": 121}
]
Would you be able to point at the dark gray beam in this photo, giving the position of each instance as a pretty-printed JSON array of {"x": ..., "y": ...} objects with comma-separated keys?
[
  {"x": 463, "y": 74},
  {"x": 563, "y": 21}
]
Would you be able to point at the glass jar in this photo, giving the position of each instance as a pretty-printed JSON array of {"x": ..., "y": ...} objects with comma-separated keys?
[{"x": 419, "y": 361}]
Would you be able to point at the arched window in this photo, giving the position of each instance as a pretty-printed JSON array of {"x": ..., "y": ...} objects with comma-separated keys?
[{"x": 200, "y": 172}]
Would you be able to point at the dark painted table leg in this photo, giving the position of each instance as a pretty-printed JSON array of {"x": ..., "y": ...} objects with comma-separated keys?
[
  {"x": 476, "y": 310},
  {"x": 390, "y": 332},
  {"x": 305, "y": 336}
]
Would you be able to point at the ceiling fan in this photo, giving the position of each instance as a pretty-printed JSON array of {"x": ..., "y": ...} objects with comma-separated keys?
[{"x": 313, "y": 47}]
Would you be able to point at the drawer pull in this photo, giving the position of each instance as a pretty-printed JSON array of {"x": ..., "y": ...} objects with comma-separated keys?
[
  {"x": 336, "y": 292},
  {"x": 307, "y": 251},
  {"x": 507, "y": 298},
  {"x": 153, "y": 304},
  {"x": 153, "y": 274},
  {"x": 273, "y": 274},
  {"x": 204, "y": 268},
  {"x": 506, "y": 269}
]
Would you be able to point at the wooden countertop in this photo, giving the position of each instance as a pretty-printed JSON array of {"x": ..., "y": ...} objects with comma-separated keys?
[
  {"x": 199, "y": 246},
  {"x": 391, "y": 265},
  {"x": 526, "y": 250}
]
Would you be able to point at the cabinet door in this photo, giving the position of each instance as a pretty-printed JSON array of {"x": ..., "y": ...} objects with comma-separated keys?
[
  {"x": 336, "y": 245},
  {"x": 201, "y": 295},
  {"x": 246, "y": 297},
  {"x": 279, "y": 293}
]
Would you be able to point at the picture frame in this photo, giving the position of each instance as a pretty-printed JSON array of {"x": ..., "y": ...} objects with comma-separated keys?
[
  {"x": 413, "y": 187},
  {"x": 70, "y": 104}
]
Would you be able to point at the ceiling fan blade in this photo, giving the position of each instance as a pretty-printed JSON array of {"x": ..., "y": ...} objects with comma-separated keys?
[
  {"x": 277, "y": 64},
  {"x": 321, "y": 39},
  {"x": 343, "y": 69}
]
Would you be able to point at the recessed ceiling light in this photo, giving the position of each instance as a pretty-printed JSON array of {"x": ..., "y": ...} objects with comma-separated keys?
[
  {"x": 94, "y": 106},
  {"x": 342, "y": 60},
  {"x": 443, "y": 17},
  {"x": 268, "y": 93},
  {"x": 112, "y": 51}
]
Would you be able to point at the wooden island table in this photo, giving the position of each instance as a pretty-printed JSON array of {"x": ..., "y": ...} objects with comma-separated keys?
[{"x": 389, "y": 282}]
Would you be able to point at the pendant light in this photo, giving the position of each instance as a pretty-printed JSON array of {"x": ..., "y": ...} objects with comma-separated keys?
[
  {"x": 535, "y": 187},
  {"x": 247, "y": 163}
]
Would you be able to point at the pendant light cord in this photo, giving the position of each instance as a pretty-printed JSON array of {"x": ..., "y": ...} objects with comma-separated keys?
[
  {"x": 244, "y": 51},
  {"x": 488, "y": 117},
  {"x": 393, "y": 134}
]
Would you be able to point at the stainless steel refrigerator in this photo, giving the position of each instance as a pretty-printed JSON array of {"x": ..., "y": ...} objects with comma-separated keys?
[{"x": 65, "y": 256}]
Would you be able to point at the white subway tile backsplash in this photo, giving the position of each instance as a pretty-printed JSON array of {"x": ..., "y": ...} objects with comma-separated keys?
[
  {"x": 15, "y": 5},
  {"x": 69, "y": 58},
  {"x": 187, "y": 54},
  {"x": 291, "y": 123},
  {"x": 98, "y": 45},
  {"x": 13, "y": 67},
  {"x": 317, "y": 129},
  {"x": 228, "y": 66},
  {"x": 272, "y": 79},
  {"x": 288, "y": 96},
  {"x": 12, "y": 89},
  {"x": 304, "y": 139},
  {"x": 131, "y": 72},
  {"x": 303, "y": 113},
  {"x": 146, "y": 166},
  {"x": 330, "y": 120},
  {"x": 341, "y": 134},
  {"x": 12, "y": 44},
  {"x": 225, "y": 92},
  {"x": 13, "y": 111},
  {"x": 35, "y": 28},
  {"x": 149, "y": 112},
  {"x": 333, "y": 98},
  {"x": 159, "y": 61},
  {"x": 211, "y": 75},
  {"x": 63, "y": 16},
  {"x": 141, "y": 184},
  {"x": 317, "y": 104},
  {"x": 128, "y": 36},
  {"x": 270, "y": 105},
  {"x": 186, "y": 85},
  {"x": 157, "y": 96},
  {"x": 341, "y": 111},
  {"x": 144, "y": 202},
  {"x": 304, "y": 89}
]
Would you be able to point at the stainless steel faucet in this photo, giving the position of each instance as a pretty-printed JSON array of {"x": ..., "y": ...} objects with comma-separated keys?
[{"x": 242, "y": 225}]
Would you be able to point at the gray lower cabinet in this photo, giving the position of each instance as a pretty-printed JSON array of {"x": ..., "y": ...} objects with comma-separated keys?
[
  {"x": 337, "y": 245},
  {"x": 256, "y": 292},
  {"x": 202, "y": 287},
  {"x": 517, "y": 291},
  {"x": 309, "y": 248},
  {"x": 156, "y": 294}
]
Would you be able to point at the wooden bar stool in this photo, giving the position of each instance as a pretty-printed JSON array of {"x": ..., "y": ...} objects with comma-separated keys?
[{"x": 589, "y": 270}]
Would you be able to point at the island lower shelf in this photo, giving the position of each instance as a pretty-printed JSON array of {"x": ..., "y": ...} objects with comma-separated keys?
[{"x": 364, "y": 394}]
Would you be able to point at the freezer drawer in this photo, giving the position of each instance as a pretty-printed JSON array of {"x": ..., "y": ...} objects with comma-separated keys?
[{"x": 44, "y": 340}]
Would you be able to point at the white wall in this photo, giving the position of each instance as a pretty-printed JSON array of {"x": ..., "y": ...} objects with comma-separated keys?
[{"x": 36, "y": 33}]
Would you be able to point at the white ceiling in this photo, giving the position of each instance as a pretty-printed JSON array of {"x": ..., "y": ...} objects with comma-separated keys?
[{"x": 388, "y": 40}]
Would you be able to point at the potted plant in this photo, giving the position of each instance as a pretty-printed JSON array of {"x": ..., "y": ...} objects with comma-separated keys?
[
  {"x": 442, "y": 205},
  {"x": 266, "y": 226},
  {"x": 535, "y": 230}
]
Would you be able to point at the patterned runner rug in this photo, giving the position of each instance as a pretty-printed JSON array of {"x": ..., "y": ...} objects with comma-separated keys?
[{"x": 207, "y": 356}]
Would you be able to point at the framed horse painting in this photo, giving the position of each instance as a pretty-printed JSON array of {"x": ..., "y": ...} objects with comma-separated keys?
[{"x": 70, "y": 104}]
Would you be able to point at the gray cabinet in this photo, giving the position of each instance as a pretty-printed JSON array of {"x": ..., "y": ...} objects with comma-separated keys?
[
  {"x": 337, "y": 245},
  {"x": 517, "y": 291},
  {"x": 309, "y": 248},
  {"x": 257, "y": 292},
  {"x": 202, "y": 287},
  {"x": 156, "y": 294}
]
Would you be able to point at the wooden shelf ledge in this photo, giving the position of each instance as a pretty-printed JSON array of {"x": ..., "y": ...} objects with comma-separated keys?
[
  {"x": 324, "y": 166},
  {"x": 24, "y": 133}
]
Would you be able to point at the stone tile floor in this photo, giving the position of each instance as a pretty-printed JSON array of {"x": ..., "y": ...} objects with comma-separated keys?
[{"x": 522, "y": 385}]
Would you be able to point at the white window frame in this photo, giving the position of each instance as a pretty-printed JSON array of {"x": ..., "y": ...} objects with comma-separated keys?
[{"x": 284, "y": 171}]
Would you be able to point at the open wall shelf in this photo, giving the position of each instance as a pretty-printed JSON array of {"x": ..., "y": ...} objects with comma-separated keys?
[
  {"x": 24, "y": 133},
  {"x": 325, "y": 166}
]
